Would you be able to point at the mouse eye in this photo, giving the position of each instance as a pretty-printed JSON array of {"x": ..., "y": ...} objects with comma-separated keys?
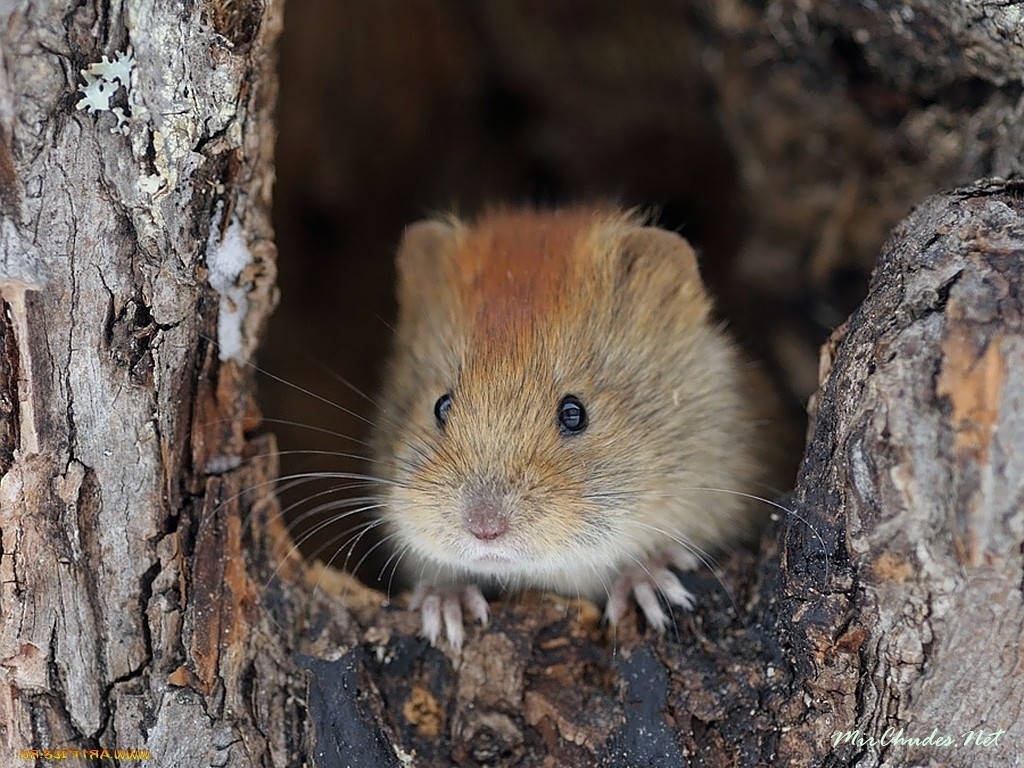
[
  {"x": 441, "y": 407},
  {"x": 572, "y": 416}
]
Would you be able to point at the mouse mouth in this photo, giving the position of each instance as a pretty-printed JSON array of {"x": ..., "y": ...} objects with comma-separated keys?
[
  {"x": 493, "y": 558},
  {"x": 492, "y": 566},
  {"x": 490, "y": 559}
]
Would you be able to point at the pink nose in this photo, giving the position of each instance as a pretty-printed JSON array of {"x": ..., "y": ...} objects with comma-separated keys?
[{"x": 486, "y": 521}]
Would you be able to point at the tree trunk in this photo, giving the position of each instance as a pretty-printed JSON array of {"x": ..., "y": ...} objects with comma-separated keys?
[
  {"x": 150, "y": 602},
  {"x": 135, "y": 175}
]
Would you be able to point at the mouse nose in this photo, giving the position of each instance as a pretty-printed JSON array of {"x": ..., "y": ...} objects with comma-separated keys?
[{"x": 485, "y": 519}]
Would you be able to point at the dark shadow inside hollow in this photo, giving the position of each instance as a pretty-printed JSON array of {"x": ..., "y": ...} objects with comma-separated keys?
[{"x": 387, "y": 118}]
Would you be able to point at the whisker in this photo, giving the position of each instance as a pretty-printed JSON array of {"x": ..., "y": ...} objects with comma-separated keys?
[
  {"x": 394, "y": 569},
  {"x": 333, "y": 504},
  {"x": 333, "y": 519},
  {"x": 351, "y": 547},
  {"x": 387, "y": 562},
  {"x": 309, "y": 393},
  {"x": 791, "y": 512},
  {"x": 625, "y": 494},
  {"x": 352, "y": 387},
  {"x": 363, "y": 528},
  {"x": 705, "y": 558},
  {"x": 371, "y": 550},
  {"x": 312, "y": 452},
  {"x": 287, "y": 483},
  {"x": 299, "y": 478},
  {"x": 299, "y": 425},
  {"x": 306, "y": 536},
  {"x": 354, "y": 534}
]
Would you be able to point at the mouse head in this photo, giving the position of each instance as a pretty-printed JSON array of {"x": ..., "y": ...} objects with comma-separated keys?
[{"x": 554, "y": 377}]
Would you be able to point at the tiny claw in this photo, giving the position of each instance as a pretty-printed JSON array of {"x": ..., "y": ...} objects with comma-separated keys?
[
  {"x": 452, "y": 610},
  {"x": 673, "y": 589},
  {"x": 475, "y": 603},
  {"x": 682, "y": 558},
  {"x": 645, "y": 583},
  {"x": 429, "y": 606},
  {"x": 443, "y": 608},
  {"x": 648, "y": 602}
]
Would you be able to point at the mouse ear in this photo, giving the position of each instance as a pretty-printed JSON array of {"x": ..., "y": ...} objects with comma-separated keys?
[
  {"x": 653, "y": 251},
  {"x": 422, "y": 258},
  {"x": 657, "y": 270}
]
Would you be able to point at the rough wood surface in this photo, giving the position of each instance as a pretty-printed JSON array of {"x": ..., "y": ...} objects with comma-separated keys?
[
  {"x": 917, "y": 451},
  {"x": 126, "y": 615}
]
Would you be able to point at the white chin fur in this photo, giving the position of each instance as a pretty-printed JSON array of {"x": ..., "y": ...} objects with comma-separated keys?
[
  {"x": 575, "y": 578},
  {"x": 500, "y": 561}
]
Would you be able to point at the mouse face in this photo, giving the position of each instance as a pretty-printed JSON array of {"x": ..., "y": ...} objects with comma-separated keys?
[{"x": 554, "y": 391}]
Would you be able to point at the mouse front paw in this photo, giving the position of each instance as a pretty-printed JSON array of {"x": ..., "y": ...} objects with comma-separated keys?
[
  {"x": 443, "y": 607},
  {"x": 646, "y": 581}
]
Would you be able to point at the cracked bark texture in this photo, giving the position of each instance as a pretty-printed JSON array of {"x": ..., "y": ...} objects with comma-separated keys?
[
  {"x": 126, "y": 615},
  {"x": 916, "y": 453}
]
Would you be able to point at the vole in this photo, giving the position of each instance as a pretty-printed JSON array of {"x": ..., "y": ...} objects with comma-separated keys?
[{"x": 560, "y": 411}]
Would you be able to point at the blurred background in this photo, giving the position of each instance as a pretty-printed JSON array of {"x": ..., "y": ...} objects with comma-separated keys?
[{"x": 767, "y": 134}]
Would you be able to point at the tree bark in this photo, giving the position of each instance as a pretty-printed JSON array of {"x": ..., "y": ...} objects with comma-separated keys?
[
  {"x": 914, "y": 454},
  {"x": 135, "y": 172}
]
